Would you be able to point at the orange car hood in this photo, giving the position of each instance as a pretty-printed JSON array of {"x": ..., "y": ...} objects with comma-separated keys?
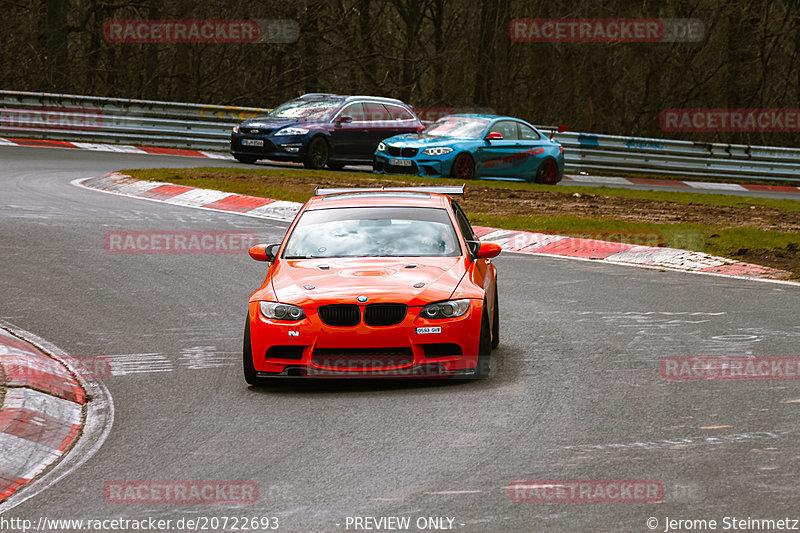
[{"x": 381, "y": 279}]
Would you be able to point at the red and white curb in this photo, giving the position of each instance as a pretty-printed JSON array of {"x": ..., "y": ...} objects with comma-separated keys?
[
  {"x": 41, "y": 412},
  {"x": 704, "y": 185},
  {"x": 625, "y": 254},
  {"x": 117, "y": 183},
  {"x": 44, "y": 411},
  {"x": 512, "y": 241}
]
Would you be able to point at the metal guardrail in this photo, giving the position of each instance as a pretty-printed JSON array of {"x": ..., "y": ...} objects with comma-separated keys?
[
  {"x": 117, "y": 120},
  {"x": 207, "y": 127},
  {"x": 638, "y": 155}
]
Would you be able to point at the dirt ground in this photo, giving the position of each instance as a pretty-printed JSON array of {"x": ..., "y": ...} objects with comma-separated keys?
[{"x": 508, "y": 202}]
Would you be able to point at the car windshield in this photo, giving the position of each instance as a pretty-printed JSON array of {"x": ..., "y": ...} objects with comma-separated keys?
[
  {"x": 373, "y": 232},
  {"x": 461, "y": 127},
  {"x": 306, "y": 109}
]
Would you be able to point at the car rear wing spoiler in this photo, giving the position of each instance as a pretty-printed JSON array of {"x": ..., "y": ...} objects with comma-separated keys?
[{"x": 449, "y": 190}]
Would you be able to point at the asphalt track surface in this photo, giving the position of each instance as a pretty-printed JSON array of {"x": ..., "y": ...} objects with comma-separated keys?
[{"x": 575, "y": 391}]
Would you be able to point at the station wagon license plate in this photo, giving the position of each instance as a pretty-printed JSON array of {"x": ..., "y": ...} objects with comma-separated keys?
[
  {"x": 400, "y": 162},
  {"x": 252, "y": 142}
]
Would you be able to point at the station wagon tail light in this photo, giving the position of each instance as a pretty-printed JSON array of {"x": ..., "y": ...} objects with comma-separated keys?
[
  {"x": 279, "y": 311},
  {"x": 437, "y": 151},
  {"x": 447, "y": 309}
]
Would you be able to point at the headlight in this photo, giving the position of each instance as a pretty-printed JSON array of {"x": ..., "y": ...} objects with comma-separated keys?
[
  {"x": 278, "y": 311},
  {"x": 381, "y": 147},
  {"x": 437, "y": 151},
  {"x": 292, "y": 131},
  {"x": 236, "y": 129},
  {"x": 448, "y": 309}
]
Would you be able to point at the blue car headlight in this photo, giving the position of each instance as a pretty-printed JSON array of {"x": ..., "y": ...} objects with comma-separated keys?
[
  {"x": 381, "y": 147},
  {"x": 291, "y": 130},
  {"x": 279, "y": 311},
  {"x": 437, "y": 151},
  {"x": 236, "y": 129},
  {"x": 447, "y": 309}
]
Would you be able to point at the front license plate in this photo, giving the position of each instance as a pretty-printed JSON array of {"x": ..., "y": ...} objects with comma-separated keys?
[
  {"x": 421, "y": 331},
  {"x": 252, "y": 142},
  {"x": 400, "y": 162}
]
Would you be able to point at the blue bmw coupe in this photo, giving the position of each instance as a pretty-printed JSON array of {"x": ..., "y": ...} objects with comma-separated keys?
[{"x": 474, "y": 146}]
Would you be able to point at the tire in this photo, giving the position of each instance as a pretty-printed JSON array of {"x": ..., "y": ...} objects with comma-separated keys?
[
  {"x": 484, "y": 347},
  {"x": 247, "y": 159},
  {"x": 495, "y": 321},
  {"x": 547, "y": 173},
  {"x": 336, "y": 166},
  {"x": 316, "y": 154},
  {"x": 463, "y": 167},
  {"x": 247, "y": 357}
]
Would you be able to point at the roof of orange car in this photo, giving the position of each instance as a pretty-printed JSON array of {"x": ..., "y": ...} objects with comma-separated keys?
[{"x": 396, "y": 197}]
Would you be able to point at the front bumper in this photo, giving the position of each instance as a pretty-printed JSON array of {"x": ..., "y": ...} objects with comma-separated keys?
[
  {"x": 310, "y": 348},
  {"x": 280, "y": 148},
  {"x": 420, "y": 165}
]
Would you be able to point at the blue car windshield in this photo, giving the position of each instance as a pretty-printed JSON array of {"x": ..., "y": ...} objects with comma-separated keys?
[
  {"x": 373, "y": 232},
  {"x": 306, "y": 109},
  {"x": 460, "y": 127}
]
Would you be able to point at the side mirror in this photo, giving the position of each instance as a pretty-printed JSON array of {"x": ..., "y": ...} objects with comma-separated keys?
[
  {"x": 494, "y": 136},
  {"x": 344, "y": 119},
  {"x": 488, "y": 250},
  {"x": 264, "y": 252}
]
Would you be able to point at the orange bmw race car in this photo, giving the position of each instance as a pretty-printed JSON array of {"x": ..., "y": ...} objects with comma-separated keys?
[{"x": 375, "y": 283}]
